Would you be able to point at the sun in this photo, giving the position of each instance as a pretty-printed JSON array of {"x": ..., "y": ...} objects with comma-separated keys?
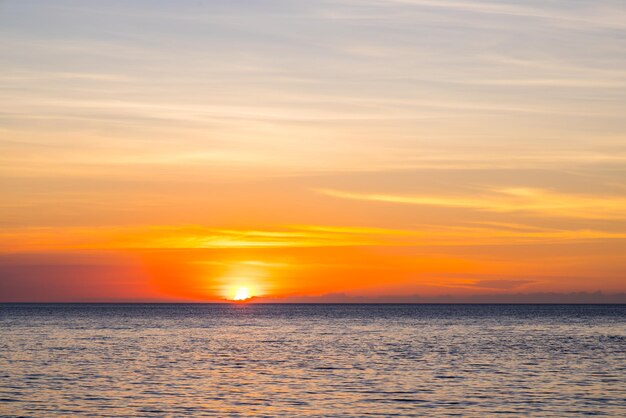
[{"x": 242, "y": 293}]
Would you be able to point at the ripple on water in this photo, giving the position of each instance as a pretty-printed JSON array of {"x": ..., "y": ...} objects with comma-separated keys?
[{"x": 315, "y": 360}]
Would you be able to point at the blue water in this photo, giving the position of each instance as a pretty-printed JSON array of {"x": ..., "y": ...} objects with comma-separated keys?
[{"x": 312, "y": 360}]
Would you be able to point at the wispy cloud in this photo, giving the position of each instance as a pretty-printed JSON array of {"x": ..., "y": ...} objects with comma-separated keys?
[
  {"x": 538, "y": 202},
  {"x": 169, "y": 237},
  {"x": 609, "y": 19},
  {"x": 295, "y": 236}
]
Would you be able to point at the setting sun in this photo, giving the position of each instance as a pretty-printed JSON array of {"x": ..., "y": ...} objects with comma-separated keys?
[{"x": 242, "y": 293}]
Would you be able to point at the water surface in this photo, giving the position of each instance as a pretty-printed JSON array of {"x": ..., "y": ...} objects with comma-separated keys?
[{"x": 312, "y": 360}]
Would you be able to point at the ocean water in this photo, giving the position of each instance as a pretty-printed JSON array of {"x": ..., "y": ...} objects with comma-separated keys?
[{"x": 312, "y": 360}]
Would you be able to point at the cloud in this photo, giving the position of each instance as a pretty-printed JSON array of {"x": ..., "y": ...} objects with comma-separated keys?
[
  {"x": 568, "y": 14},
  {"x": 542, "y": 297},
  {"x": 13, "y": 240},
  {"x": 170, "y": 237},
  {"x": 538, "y": 202},
  {"x": 501, "y": 284}
]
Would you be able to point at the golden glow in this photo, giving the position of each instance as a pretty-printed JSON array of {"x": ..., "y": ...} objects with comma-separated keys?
[{"x": 242, "y": 293}]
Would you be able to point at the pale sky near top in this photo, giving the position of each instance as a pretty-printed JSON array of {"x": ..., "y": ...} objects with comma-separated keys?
[{"x": 312, "y": 85}]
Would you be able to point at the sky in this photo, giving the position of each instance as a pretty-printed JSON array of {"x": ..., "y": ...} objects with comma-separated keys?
[{"x": 318, "y": 150}]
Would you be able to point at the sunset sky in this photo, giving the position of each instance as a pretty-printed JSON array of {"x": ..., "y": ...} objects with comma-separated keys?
[{"x": 318, "y": 150}]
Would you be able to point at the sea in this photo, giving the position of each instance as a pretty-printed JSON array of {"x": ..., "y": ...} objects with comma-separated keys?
[{"x": 318, "y": 360}]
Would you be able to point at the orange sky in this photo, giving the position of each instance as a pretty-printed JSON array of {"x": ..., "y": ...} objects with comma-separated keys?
[{"x": 338, "y": 150}]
